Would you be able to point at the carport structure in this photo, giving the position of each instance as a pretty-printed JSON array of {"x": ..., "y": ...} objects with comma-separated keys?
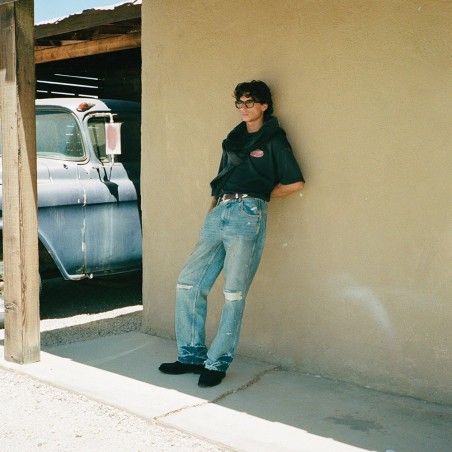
[
  {"x": 93, "y": 53},
  {"x": 96, "y": 53}
]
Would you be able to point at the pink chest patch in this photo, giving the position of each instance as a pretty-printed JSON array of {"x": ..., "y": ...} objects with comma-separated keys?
[{"x": 257, "y": 153}]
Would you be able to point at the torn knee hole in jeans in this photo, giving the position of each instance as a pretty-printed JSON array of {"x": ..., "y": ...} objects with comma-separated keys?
[
  {"x": 184, "y": 286},
  {"x": 232, "y": 295}
]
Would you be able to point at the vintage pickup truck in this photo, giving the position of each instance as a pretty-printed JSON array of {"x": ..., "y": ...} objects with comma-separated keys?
[{"x": 89, "y": 221}]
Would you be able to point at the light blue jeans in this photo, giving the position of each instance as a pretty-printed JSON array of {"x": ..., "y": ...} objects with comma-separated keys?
[{"x": 232, "y": 239}]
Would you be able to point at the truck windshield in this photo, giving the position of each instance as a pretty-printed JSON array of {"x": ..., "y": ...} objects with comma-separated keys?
[
  {"x": 58, "y": 135},
  {"x": 130, "y": 137}
]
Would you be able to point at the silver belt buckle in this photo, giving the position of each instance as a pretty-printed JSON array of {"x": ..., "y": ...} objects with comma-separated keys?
[{"x": 222, "y": 199}]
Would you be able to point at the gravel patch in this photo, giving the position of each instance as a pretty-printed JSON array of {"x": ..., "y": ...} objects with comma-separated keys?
[
  {"x": 90, "y": 326},
  {"x": 39, "y": 417}
]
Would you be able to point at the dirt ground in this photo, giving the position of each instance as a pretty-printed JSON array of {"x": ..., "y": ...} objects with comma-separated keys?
[{"x": 38, "y": 417}]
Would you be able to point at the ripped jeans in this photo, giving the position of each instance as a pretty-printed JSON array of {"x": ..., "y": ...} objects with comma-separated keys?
[{"x": 232, "y": 239}]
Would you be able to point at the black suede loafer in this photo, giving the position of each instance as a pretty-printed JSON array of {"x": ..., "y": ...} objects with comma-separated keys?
[
  {"x": 179, "y": 368},
  {"x": 209, "y": 378}
]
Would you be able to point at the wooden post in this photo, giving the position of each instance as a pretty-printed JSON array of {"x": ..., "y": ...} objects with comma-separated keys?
[{"x": 20, "y": 238}]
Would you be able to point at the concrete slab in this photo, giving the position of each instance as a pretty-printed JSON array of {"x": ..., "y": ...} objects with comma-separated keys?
[
  {"x": 256, "y": 408},
  {"x": 244, "y": 432},
  {"x": 312, "y": 409}
]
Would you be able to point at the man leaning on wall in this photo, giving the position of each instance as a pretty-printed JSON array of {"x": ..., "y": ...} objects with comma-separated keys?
[{"x": 257, "y": 164}]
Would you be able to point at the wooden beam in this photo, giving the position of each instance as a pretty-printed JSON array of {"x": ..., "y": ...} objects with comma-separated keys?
[
  {"x": 20, "y": 223},
  {"x": 87, "y": 48}
]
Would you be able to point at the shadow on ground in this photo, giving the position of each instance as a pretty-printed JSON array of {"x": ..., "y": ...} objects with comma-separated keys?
[{"x": 268, "y": 397}]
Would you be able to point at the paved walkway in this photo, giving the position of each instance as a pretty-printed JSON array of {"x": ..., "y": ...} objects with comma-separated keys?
[{"x": 258, "y": 407}]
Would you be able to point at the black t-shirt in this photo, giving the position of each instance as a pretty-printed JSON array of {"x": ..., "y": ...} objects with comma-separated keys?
[{"x": 266, "y": 166}]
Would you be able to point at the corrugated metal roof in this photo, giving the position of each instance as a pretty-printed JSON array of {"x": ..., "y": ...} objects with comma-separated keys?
[{"x": 99, "y": 8}]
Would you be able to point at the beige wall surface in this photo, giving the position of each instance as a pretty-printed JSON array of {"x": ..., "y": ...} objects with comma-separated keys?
[{"x": 356, "y": 277}]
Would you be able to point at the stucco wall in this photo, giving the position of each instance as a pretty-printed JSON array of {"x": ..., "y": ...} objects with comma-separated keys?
[{"x": 356, "y": 277}]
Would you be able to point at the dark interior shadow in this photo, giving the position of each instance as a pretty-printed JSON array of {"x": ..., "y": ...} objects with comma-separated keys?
[{"x": 60, "y": 299}]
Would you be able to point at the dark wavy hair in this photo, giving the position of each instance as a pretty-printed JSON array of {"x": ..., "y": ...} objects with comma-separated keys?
[{"x": 258, "y": 91}]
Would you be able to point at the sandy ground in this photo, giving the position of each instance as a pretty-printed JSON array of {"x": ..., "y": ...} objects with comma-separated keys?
[{"x": 37, "y": 417}]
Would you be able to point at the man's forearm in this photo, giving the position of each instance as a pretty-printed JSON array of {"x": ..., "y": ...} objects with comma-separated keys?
[{"x": 285, "y": 190}]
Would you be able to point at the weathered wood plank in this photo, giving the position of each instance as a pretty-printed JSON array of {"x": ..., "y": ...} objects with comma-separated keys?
[
  {"x": 87, "y": 48},
  {"x": 20, "y": 238}
]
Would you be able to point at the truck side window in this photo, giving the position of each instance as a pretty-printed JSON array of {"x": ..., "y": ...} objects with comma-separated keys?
[
  {"x": 130, "y": 137},
  {"x": 58, "y": 135},
  {"x": 96, "y": 129}
]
